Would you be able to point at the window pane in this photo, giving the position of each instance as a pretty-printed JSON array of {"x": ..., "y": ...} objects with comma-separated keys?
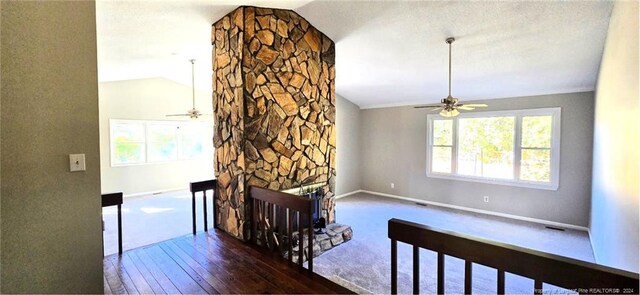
[
  {"x": 128, "y": 153},
  {"x": 127, "y": 132},
  {"x": 536, "y": 131},
  {"x": 441, "y": 159},
  {"x": 161, "y": 152},
  {"x": 485, "y": 147},
  {"x": 535, "y": 165},
  {"x": 191, "y": 141},
  {"x": 162, "y": 142},
  {"x": 442, "y": 132}
]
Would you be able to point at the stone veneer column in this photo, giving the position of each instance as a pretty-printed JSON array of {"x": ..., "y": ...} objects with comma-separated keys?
[{"x": 274, "y": 103}]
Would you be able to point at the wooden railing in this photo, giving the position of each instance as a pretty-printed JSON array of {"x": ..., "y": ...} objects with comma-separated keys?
[
  {"x": 275, "y": 216},
  {"x": 203, "y": 186},
  {"x": 576, "y": 275},
  {"x": 114, "y": 199}
]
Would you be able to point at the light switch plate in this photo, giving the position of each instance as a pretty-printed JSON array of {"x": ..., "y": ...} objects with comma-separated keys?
[{"x": 76, "y": 162}]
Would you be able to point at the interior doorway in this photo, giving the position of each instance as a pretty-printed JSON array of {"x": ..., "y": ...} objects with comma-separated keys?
[{"x": 152, "y": 158}]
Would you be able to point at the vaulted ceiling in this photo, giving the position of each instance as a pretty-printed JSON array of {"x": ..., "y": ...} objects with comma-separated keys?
[{"x": 387, "y": 52}]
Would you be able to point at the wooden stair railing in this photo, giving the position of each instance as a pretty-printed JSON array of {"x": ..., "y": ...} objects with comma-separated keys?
[
  {"x": 275, "y": 216},
  {"x": 203, "y": 186},
  {"x": 576, "y": 275}
]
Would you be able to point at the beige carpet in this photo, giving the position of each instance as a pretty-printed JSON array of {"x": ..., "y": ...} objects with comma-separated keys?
[{"x": 365, "y": 260}]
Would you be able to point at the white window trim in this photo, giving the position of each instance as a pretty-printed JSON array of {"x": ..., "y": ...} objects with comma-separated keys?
[
  {"x": 146, "y": 142},
  {"x": 554, "y": 177}
]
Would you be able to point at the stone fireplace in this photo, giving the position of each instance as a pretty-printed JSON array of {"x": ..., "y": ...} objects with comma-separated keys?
[{"x": 274, "y": 106}]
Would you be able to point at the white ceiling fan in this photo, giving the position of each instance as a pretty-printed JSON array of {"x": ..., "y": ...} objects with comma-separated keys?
[
  {"x": 192, "y": 113},
  {"x": 449, "y": 106}
]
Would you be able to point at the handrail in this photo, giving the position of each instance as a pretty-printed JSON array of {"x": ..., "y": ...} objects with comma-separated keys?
[
  {"x": 581, "y": 276},
  {"x": 272, "y": 213},
  {"x": 286, "y": 200}
]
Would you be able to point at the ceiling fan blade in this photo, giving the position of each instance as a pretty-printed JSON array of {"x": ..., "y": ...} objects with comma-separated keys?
[
  {"x": 466, "y": 108},
  {"x": 427, "y": 106},
  {"x": 475, "y": 105}
]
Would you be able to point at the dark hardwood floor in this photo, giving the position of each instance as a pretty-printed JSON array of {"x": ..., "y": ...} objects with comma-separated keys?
[{"x": 212, "y": 263}]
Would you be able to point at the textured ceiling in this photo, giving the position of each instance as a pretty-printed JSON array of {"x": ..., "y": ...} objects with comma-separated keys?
[{"x": 387, "y": 52}]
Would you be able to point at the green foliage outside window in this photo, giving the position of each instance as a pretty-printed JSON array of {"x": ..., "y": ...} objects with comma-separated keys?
[{"x": 486, "y": 146}]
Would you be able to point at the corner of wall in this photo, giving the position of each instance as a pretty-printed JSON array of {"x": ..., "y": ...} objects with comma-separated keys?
[{"x": 615, "y": 192}]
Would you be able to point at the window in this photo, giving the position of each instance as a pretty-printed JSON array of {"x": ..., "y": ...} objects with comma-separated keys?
[
  {"x": 519, "y": 148},
  {"x": 140, "y": 142},
  {"x": 162, "y": 145},
  {"x": 127, "y": 143}
]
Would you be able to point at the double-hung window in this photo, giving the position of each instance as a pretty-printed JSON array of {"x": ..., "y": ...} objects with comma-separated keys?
[{"x": 518, "y": 148}]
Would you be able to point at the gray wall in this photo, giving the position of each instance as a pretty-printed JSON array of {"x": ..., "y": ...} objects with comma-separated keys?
[
  {"x": 393, "y": 142},
  {"x": 347, "y": 147},
  {"x": 51, "y": 225},
  {"x": 151, "y": 99},
  {"x": 614, "y": 207}
]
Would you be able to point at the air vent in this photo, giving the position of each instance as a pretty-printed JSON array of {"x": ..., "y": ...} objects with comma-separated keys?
[{"x": 554, "y": 228}]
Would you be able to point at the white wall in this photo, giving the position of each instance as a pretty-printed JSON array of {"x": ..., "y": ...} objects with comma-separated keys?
[
  {"x": 394, "y": 143},
  {"x": 151, "y": 99},
  {"x": 348, "y": 147},
  {"x": 51, "y": 225},
  {"x": 615, "y": 190}
]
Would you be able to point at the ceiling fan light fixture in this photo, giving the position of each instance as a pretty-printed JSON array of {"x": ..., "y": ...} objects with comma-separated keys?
[{"x": 449, "y": 113}]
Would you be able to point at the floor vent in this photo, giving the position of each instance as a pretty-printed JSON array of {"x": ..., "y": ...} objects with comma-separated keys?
[
  {"x": 420, "y": 204},
  {"x": 554, "y": 228}
]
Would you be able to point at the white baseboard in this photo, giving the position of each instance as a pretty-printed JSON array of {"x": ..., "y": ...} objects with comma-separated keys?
[
  {"x": 348, "y": 194},
  {"x": 155, "y": 192},
  {"x": 511, "y": 216}
]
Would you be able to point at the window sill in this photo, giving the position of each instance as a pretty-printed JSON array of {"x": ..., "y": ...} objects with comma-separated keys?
[{"x": 551, "y": 186}]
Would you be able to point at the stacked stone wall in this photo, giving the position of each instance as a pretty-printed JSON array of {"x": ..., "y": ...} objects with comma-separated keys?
[{"x": 274, "y": 104}]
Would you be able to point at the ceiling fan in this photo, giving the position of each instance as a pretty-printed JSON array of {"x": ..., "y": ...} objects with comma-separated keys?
[
  {"x": 192, "y": 113},
  {"x": 449, "y": 106}
]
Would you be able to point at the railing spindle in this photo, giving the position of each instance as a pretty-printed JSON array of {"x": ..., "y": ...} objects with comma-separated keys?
[
  {"x": 500, "y": 281},
  {"x": 280, "y": 222},
  {"x": 416, "y": 270},
  {"x": 300, "y": 240},
  {"x": 193, "y": 212},
  {"x": 394, "y": 267},
  {"x": 468, "y": 276},
  {"x": 440, "y": 273},
  {"x": 310, "y": 249},
  {"x": 263, "y": 213},
  {"x": 204, "y": 210},
  {"x": 537, "y": 287},
  {"x": 269, "y": 225},
  {"x": 290, "y": 233},
  {"x": 254, "y": 221}
]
